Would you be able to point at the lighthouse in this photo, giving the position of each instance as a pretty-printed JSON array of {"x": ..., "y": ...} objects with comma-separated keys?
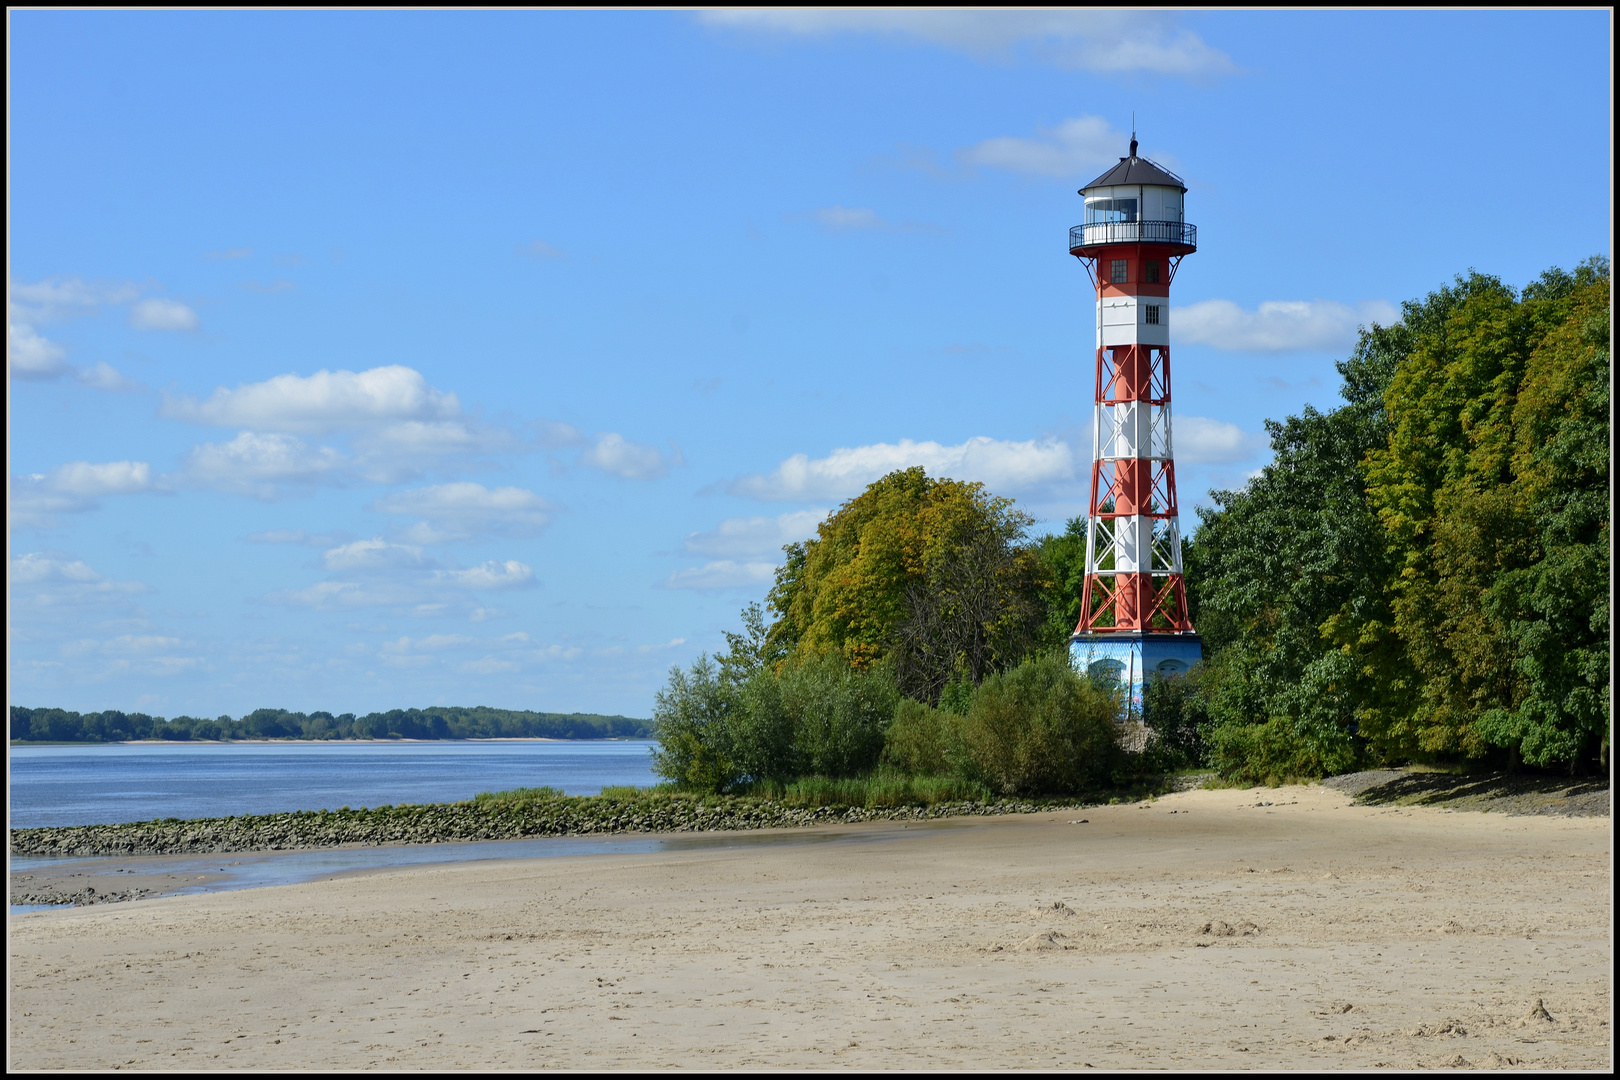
[{"x": 1133, "y": 620}]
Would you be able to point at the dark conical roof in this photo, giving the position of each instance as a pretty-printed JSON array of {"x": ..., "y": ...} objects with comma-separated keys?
[{"x": 1136, "y": 170}]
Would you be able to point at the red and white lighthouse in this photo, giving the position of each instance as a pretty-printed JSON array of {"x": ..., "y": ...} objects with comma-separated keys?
[{"x": 1134, "y": 606}]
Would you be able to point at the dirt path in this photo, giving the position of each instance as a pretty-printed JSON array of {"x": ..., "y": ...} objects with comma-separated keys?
[{"x": 1279, "y": 928}]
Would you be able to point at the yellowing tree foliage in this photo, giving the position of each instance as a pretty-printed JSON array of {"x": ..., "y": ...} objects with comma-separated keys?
[{"x": 933, "y": 574}]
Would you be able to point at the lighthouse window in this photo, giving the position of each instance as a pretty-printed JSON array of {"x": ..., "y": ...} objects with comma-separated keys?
[
  {"x": 1150, "y": 271},
  {"x": 1116, "y": 271},
  {"x": 1101, "y": 210},
  {"x": 1153, "y": 314}
]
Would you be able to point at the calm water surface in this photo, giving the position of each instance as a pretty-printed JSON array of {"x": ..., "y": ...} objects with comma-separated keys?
[{"x": 105, "y": 783}]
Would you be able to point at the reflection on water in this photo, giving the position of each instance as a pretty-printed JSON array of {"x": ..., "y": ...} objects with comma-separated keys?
[{"x": 250, "y": 870}]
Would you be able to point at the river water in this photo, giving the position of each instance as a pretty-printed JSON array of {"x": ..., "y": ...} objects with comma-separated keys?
[{"x": 104, "y": 783}]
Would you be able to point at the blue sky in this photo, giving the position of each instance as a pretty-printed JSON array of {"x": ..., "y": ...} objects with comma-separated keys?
[{"x": 361, "y": 361}]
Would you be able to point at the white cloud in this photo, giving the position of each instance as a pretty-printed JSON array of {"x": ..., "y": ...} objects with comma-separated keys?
[
  {"x": 1199, "y": 440},
  {"x": 60, "y": 298},
  {"x": 108, "y": 478},
  {"x": 722, "y": 574},
  {"x": 999, "y": 464},
  {"x": 613, "y": 453},
  {"x": 322, "y": 402},
  {"x": 106, "y": 377},
  {"x": 338, "y": 595},
  {"x": 556, "y": 435},
  {"x": 744, "y": 536},
  {"x": 489, "y": 665},
  {"x": 510, "y": 574},
  {"x": 1093, "y": 40},
  {"x": 436, "y": 438},
  {"x": 1279, "y": 325},
  {"x": 47, "y": 579},
  {"x": 160, "y": 314},
  {"x": 30, "y": 356},
  {"x": 34, "y": 501},
  {"x": 260, "y": 465},
  {"x": 374, "y": 554},
  {"x": 461, "y": 510},
  {"x": 138, "y": 644},
  {"x": 430, "y": 643},
  {"x": 34, "y": 567},
  {"x": 1077, "y": 148}
]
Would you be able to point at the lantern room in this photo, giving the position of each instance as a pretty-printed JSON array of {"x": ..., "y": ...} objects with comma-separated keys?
[{"x": 1135, "y": 202}]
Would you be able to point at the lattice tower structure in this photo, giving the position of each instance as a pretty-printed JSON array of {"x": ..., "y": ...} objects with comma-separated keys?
[{"x": 1131, "y": 244}]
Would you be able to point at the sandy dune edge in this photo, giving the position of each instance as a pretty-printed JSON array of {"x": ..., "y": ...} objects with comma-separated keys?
[{"x": 1210, "y": 929}]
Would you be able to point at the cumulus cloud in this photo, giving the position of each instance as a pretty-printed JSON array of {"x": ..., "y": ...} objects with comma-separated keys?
[
  {"x": 1091, "y": 40},
  {"x": 744, "y": 536},
  {"x": 463, "y": 510},
  {"x": 614, "y": 454},
  {"x": 1279, "y": 325},
  {"x": 29, "y": 354},
  {"x": 722, "y": 574},
  {"x": 556, "y": 435},
  {"x": 398, "y": 425},
  {"x": 160, "y": 314},
  {"x": 429, "y": 643},
  {"x": 103, "y": 376},
  {"x": 494, "y": 574},
  {"x": 48, "y": 579},
  {"x": 1202, "y": 441},
  {"x": 263, "y": 466},
  {"x": 1001, "y": 465},
  {"x": 373, "y": 554},
  {"x": 1077, "y": 148},
  {"x": 323, "y": 402},
  {"x": 107, "y": 478},
  {"x": 35, "y": 500}
]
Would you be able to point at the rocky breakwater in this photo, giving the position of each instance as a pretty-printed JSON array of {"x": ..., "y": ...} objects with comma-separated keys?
[{"x": 476, "y": 820}]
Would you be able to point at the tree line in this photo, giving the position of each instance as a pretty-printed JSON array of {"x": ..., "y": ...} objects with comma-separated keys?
[
  {"x": 1419, "y": 575},
  {"x": 450, "y": 722}
]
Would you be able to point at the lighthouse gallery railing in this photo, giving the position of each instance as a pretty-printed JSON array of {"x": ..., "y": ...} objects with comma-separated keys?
[{"x": 1133, "y": 232}]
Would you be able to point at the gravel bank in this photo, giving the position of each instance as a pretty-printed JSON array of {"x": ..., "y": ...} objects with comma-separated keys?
[{"x": 449, "y": 822}]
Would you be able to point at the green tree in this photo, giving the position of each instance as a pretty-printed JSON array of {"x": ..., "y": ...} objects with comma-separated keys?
[
  {"x": 935, "y": 575},
  {"x": 1493, "y": 493}
]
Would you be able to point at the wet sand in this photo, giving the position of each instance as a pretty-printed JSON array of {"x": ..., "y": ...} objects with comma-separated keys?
[{"x": 1207, "y": 929}]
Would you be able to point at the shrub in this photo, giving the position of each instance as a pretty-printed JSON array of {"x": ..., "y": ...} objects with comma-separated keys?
[
  {"x": 838, "y": 714},
  {"x": 1039, "y": 728},
  {"x": 1173, "y": 712},
  {"x": 692, "y": 717},
  {"x": 916, "y": 742}
]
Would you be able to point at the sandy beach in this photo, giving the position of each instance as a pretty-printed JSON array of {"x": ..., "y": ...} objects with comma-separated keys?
[{"x": 1278, "y": 928}]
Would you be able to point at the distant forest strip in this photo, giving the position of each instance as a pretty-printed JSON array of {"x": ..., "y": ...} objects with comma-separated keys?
[{"x": 449, "y": 722}]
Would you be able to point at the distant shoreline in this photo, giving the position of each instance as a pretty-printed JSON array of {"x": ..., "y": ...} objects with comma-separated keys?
[{"x": 323, "y": 742}]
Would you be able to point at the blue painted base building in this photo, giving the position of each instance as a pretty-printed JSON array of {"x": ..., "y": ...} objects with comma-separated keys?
[{"x": 1132, "y": 658}]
